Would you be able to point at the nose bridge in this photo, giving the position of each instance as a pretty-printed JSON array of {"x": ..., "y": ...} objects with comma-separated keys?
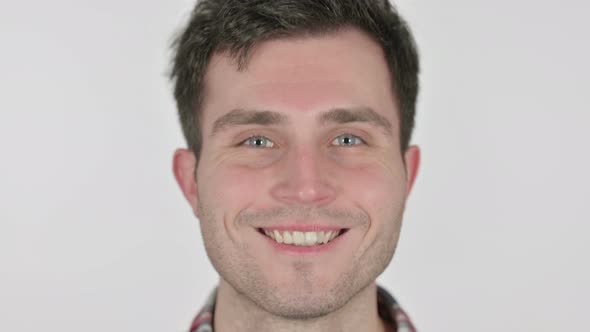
[{"x": 304, "y": 177}]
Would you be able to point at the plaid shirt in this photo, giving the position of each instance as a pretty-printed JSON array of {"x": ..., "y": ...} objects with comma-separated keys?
[{"x": 389, "y": 311}]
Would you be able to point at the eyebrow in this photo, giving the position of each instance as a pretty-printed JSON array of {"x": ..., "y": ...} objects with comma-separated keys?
[
  {"x": 241, "y": 117},
  {"x": 363, "y": 114}
]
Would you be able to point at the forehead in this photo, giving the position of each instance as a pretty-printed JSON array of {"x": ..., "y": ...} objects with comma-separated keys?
[{"x": 302, "y": 76}]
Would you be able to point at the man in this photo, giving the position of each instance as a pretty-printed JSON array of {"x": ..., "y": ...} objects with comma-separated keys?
[{"x": 298, "y": 116}]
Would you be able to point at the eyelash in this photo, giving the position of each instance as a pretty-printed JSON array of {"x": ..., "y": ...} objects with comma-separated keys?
[
  {"x": 261, "y": 137},
  {"x": 362, "y": 142},
  {"x": 257, "y": 137}
]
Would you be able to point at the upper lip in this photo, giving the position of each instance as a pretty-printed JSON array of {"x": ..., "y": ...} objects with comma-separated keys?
[{"x": 303, "y": 228}]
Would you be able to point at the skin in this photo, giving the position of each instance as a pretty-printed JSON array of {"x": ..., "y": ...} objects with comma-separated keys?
[{"x": 305, "y": 172}]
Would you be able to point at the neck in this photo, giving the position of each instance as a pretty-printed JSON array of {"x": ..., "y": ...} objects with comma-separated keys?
[{"x": 235, "y": 312}]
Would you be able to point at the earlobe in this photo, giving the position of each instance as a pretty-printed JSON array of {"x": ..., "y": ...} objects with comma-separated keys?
[
  {"x": 412, "y": 158},
  {"x": 183, "y": 166}
]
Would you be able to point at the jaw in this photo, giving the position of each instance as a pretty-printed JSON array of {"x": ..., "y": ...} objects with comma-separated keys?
[{"x": 291, "y": 308}]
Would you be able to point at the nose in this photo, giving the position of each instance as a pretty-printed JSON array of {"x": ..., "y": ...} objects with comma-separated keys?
[{"x": 304, "y": 178}]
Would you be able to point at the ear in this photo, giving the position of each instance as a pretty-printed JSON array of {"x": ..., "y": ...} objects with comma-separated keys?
[
  {"x": 412, "y": 158},
  {"x": 183, "y": 166}
]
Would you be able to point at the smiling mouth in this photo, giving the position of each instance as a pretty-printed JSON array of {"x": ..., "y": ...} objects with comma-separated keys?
[{"x": 303, "y": 239}]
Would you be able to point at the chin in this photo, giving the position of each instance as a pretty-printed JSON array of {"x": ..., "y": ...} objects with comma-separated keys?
[
  {"x": 304, "y": 298},
  {"x": 299, "y": 307}
]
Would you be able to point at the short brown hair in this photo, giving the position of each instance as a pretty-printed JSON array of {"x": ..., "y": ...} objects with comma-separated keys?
[{"x": 237, "y": 25}]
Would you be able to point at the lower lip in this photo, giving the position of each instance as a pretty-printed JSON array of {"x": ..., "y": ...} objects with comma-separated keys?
[{"x": 304, "y": 250}]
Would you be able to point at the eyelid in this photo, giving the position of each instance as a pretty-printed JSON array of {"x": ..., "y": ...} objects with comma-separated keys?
[
  {"x": 242, "y": 141},
  {"x": 251, "y": 136},
  {"x": 359, "y": 137}
]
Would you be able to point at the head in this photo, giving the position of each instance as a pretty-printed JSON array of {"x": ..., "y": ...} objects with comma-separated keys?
[{"x": 298, "y": 117}]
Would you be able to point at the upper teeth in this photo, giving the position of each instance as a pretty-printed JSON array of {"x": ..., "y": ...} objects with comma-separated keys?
[{"x": 302, "y": 238}]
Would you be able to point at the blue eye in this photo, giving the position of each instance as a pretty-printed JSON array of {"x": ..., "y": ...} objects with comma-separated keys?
[
  {"x": 258, "y": 142},
  {"x": 347, "y": 140}
]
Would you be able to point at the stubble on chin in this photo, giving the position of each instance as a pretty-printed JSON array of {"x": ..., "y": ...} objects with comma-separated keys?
[{"x": 304, "y": 300}]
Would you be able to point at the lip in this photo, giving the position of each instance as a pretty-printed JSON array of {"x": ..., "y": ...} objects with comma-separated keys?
[
  {"x": 304, "y": 250},
  {"x": 303, "y": 228}
]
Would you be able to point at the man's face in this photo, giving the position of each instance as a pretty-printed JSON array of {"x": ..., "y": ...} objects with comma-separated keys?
[{"x": 302, "y": 145}]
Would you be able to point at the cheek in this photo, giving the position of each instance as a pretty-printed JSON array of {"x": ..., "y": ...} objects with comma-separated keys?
[
  {"x": 231, "y": 188},
  {"x": 378, "y": 188},
  {"x": 376, "y": 181},
  {"x": 224, "y": 192}
]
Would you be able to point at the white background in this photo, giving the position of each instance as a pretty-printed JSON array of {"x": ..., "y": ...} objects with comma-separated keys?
[{"x": 95, "y": 235}]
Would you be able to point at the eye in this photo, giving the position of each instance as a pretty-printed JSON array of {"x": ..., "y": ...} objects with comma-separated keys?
[
  {"x": 258, "y": 142},
  {"x": 348, "y": 140}
]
